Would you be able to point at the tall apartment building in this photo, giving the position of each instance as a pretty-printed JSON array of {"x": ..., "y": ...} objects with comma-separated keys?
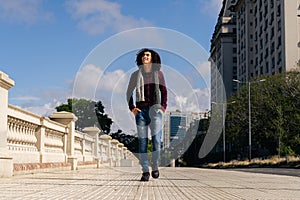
[
  {"x": 223, "y": 55},
  {"x": 266, "y": 34}
]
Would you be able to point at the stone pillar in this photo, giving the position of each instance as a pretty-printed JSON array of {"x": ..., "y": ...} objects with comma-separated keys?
[
  {"x": 172, "y": 164},
  {"x": 114, "y": 152},
  {"x": 107, "y": 143},
  {"x": 94, "y": 132},
  {"x": 120, "y": 154},
  {"x": 6, "y": 162},
  {"x": 69, "y": 120}
]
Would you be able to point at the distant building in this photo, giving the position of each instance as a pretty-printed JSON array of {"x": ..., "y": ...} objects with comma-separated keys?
[
  {"x": 252, "y": 38},
  {"x": 175, "y": 127}
]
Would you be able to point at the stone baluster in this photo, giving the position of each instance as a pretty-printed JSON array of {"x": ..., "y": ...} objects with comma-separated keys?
[
  {"x": 40, "y": 134},
  {"x": 6, "y": 162},
  {"x": 69, "y": 120}
]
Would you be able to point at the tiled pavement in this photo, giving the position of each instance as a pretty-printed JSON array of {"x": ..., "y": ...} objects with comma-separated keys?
[{"x": 174, "y": 183}]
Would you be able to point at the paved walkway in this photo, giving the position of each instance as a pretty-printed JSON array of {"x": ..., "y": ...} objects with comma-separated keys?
[{"x": 174, "y": 183}]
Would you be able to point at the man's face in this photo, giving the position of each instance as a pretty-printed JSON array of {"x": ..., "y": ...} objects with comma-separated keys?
[{"x": 147, "y": 58}]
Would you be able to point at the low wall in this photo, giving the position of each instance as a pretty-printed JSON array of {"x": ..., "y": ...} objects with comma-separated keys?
[{"x": 29, "y": 141}]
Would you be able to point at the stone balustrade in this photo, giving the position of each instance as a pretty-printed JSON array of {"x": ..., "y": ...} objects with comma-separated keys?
[{"x": 26, "y": 138}]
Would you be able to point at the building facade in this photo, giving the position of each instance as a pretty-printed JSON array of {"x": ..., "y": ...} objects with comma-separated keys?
[
  {"x": 175, "y": 127},
  {"x": 253, "y": 38},
  {"x": 223, "y": 55}
]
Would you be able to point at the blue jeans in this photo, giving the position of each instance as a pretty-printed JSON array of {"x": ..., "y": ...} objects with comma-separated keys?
[{"x": 149, "y": 118}]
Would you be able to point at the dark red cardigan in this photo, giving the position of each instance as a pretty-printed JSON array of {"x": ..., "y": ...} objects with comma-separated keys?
[{"x": 149, "y": 90}]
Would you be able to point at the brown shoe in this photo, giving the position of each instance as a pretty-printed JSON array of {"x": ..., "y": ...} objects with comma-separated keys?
[{"x": 145, "y": 176}]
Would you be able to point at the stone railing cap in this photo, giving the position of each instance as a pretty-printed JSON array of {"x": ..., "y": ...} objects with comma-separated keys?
[
  {"x": 121, "y": 145},
  {"x": 63, "y": 115},
  {"x": 105, "y": 137},
  {"x": 91, "y": 129},
  {"x": 114, "y": 141},
  {"x": 5, "y": 81}
]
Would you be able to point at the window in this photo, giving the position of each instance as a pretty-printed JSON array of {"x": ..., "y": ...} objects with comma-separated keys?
[
  {"x": 273, "y": 63},
  {"x": 279, "y": 58},
  {"x": 266, "y": 24},
  {"x": 266, "y": 52},
  {"x": 272, "y": 32},
  {"x": 260, "y": 30},
  {"x": 279, "y": 25},
  {"x": 260, "y": 16},
  {"x": 266, "y": 9},
  {"x": 261, "y": 43},
  {"x": 272, "y": 47},
  {"x": 279, "y": 42},
  {"x": 278, "y": 10},
  {"x": 272, "y": 18},
  {"x": 272, "y": 3},
  {"x": 234, "y": 60}
]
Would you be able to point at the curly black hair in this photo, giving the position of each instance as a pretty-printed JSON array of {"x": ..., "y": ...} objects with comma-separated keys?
[{"x": 155, "y": 58}]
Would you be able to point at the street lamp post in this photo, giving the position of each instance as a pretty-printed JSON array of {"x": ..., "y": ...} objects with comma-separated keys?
[
  {"x": 249, "y": 112},
  {"x": 249, "y": 124},
  {"x": 223, "y": 135}
]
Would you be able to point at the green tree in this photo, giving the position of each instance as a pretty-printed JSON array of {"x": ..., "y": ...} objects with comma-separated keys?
[
  {"x": 103, "y": 119},
  {"x": 129, "y": 141},
  {"x": 88, "y": 112},
  {"x": 275, "y": 116},
  {"x": 65, "y": 107}
]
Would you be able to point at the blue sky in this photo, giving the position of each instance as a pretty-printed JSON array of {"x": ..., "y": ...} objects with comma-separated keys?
[{"x": 46, "y": 45}]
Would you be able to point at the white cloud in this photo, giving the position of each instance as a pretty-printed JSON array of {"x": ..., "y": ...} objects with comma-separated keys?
[
  {"x": 211, "y": 7},
  {"x": 96, "y": 17},
  {"x": 86, "y": 81},
  {"x": 91, "y": 81},
  {"x": 113, "y": 81},
  {"x": 205, "y": 71},
  {"x": 180, "y": 100},
  {"x": 44, "y": 100},
  {"x": 25, "y": 98},
  {"x": 195, "y": 100},
  {"x": 24, "y": 11},
  {"x": 44, "y": 110}
]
